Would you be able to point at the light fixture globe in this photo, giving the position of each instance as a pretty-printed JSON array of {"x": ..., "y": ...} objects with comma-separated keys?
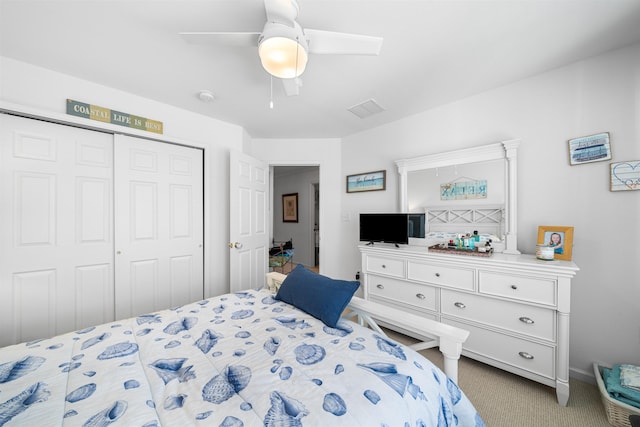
[{"x": 283, "y": 50}]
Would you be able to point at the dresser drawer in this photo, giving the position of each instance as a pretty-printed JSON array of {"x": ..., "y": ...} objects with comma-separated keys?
[
  {"x": 538, "y": 290},
  {"x": 533, "y": 357},
  {"x": 388, "y": 266},
  {"x": 455, "y": 277},
  {"x": 524, "y": 319},
  {"x": 413, "y": 294}
]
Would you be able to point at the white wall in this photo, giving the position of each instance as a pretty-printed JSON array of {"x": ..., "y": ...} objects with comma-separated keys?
[
  {"x": 324, "y": 153},
  {"x": 41, "y": 91},
  {"x": 598, "y": 95},
  {"x": 301, "y": 232}
]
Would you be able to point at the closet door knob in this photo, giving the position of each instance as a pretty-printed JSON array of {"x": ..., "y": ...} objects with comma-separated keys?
[
  {"x": 459, "y": 305},
  {"x": 527, "y": 320},
  {"x": 526, "y": 355}
]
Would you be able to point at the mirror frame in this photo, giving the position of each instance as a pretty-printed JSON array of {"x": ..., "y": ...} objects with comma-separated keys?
[{"x": 506, "y": 150}]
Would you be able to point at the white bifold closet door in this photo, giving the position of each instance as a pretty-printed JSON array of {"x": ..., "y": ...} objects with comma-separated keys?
[
  {"x": 158, "y": 226},
  {"x": 93, "y": 227},
  {"x": 56, "y": 244}
]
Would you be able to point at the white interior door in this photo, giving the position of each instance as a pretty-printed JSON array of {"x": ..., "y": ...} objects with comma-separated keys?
[
  {"x": 248, "y": 232},
  {"x": 159, "y": 226},
  {"x": 56, "y": 245}
]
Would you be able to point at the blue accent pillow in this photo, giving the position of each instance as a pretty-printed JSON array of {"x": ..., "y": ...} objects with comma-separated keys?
[{"x": 320, "y": 296}]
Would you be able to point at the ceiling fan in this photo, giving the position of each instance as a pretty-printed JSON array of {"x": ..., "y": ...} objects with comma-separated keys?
[{"x": 284, "y": 46}]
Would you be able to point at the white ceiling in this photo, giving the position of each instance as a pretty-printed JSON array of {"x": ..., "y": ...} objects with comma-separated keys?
[{"x": 434, "y": 52}]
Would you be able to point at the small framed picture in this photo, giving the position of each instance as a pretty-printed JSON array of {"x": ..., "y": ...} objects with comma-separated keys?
[
  {"x": 625, "y": 176},
  {"x": 290, "y": 207},
  {"x": 587, "y": 149},
  {"x": 370, "y": 181},
  {"x": 560, "y": 238}
]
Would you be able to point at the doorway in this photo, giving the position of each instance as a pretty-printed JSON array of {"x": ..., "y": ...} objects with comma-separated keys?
[{"x": 304, "y": 231}]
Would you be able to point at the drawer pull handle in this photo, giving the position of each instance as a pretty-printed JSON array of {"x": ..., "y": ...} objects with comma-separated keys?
[
  {"x": 437, "y": 274},
  {"x": 527, "y": 320},
  {"x": 459, "y": 305},
  {"x": 420, "y": 296},
  {"x": 384, "y": 266},
  {"x": 526, "y": 355},
  {"x": 514, "y": 287},
  {"x": 379, "y": 286}
]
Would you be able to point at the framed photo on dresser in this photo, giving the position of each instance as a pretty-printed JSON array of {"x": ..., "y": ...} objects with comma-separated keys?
[{"x": 559, "y": 237}]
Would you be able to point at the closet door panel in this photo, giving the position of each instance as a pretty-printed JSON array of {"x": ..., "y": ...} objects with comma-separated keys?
[
  {"x": 55, "y": 220},
  {"x": 94, "y": 284},
  {"x": 159, "y": 226},
  {"x": 34, "y": 201},
  {"x": 34, "y": 304}
]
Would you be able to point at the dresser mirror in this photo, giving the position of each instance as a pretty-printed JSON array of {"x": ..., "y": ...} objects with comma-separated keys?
[{"x": 466, "y": 190}]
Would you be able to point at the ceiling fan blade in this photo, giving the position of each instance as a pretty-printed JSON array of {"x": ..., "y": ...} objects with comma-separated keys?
[
  {"x": 330, "y": 42},
  {"x": 292, "y": 86},
  {"x": 222, "y": 38},
  {"x": 282, "y": 11}
]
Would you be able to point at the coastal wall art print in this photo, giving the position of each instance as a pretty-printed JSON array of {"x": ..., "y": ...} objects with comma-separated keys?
[{"x": 370, "y": 181}]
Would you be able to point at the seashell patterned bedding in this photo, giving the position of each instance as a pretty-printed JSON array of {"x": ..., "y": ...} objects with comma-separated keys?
[{"x": 242, "y": 359}]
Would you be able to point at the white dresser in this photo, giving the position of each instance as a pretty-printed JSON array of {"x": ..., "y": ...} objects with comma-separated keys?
[{"x": 515, "y": 306}]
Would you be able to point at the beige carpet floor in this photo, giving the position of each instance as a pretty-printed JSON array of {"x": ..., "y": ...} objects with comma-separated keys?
[{"x": 507, "y": 400}]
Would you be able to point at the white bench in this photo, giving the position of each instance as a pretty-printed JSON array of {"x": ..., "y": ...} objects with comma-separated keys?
[{"x": 448, "y": 338}]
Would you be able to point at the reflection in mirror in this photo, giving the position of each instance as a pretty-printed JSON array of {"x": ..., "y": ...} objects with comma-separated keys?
[
  {"x": 416, "y": 225},
  {"x": 425, "y": 186},
  {"x": 464, "y": 191}
]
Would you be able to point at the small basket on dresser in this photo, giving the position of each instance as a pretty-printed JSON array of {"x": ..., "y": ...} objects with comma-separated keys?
[{"x": 617, "y": 412}]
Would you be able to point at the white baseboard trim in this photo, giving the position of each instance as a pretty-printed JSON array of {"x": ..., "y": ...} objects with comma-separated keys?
[{"x": 584, "y": 376}]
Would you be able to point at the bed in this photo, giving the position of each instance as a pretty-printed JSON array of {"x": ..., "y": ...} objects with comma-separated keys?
[{"x": 242, "y": 359}]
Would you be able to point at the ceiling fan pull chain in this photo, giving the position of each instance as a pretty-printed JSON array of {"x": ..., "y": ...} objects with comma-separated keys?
[{"x": 271, "y": 96}]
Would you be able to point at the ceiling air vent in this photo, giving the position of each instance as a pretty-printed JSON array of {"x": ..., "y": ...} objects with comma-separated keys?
[{"x": 366, "y": 108}]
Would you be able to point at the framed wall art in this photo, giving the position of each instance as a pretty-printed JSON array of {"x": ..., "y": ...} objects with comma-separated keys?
[
  {"x": 587, "y": 149},
  {"x": 370, "y": 181},
  {"x": 625, "y": 176},
  {"x": 559, "y": 237},
  {"x": 290, "y": 207}
]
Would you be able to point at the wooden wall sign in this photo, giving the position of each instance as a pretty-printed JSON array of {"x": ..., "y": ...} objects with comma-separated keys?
[{"x": 93, "y": 112}]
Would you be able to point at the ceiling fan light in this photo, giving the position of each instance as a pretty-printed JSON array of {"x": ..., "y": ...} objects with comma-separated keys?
[
  {"x": 283, "y": 50},
  {"x": 283, "y": 57}
]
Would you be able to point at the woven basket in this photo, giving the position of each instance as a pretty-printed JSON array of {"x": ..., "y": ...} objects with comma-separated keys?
[{"x": 617, "y": 412}]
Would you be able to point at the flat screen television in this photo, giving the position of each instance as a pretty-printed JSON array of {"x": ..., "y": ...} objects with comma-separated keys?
[{"x": 384, "y": 227}]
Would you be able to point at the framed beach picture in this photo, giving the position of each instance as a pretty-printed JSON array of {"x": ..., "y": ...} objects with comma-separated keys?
[
  {"x": 560, "y": 238},
  {"x": 587, "y": 149},
  {"x": 290, "y": 207},
  {"x": 370, "y": 181}
]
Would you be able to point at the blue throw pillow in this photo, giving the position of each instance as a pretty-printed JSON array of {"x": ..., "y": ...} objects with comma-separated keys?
[{"x": 320, "y": 296}]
